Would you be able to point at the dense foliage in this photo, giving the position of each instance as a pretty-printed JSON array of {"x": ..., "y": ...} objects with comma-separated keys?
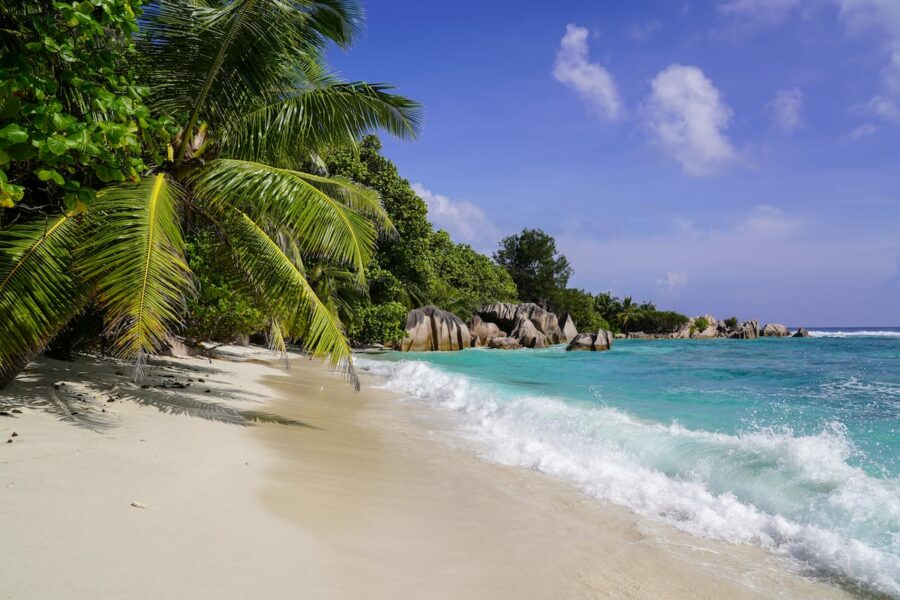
[
  {"x": 73, "y": 110},
  {"x": 658, "y": 321},
  {"x": 464, "y": 279},
  {"x": 534, "y": 263},
  {"x": 404, "y": 255},
  {"x": 223, "y": 309},
  {"x": 378, "y": 324},
  {"x": 580, "y": 305}
]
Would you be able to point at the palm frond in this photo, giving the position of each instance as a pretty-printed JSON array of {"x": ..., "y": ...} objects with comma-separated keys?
[
  {"x": 136, "y": 256},
  {"x": 318, "y": 114},
  {"x": 214, "y": 60},
  {"x": 325, "y": 227},
  {"x": 286, "y": 290},
  {"x": 39, "y": 290}
]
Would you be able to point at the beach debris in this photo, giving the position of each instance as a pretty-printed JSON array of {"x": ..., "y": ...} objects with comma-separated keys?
[
  {"x": 206, "y": 391},
  {"x": 120, "y": 372},
  {"x": 137, "y": 504},
  {"x": 3, "y": 413},
  {"x": 110, "y": 399},
  {"x": 14, "y": 434},
  {"x": 9, "y": 441},
  {"x": 16, "y": 411},
  {"x": 201, "y": 380}
]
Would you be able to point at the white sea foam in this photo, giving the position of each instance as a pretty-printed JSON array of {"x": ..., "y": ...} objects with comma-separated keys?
[
  {"x": 852, "y": 333},
  {"x": 794, "y": 495}
]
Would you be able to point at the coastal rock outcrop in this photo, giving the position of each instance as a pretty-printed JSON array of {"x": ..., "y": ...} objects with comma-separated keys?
[
  {"x": 595, "y": 342},
  {"x": 431, "y": 329},
  {"x": 482, "y": 332},
  {"x": 802, "y": 332},
  {"x": 748, "y": 330},
  {"x": 711, "y": 329},
  {"x": 531, "y": 325},
  {"x": 503, "y": 314},
  {"x": 775, "y": 330},
  {"x": 568, "y": 328}
]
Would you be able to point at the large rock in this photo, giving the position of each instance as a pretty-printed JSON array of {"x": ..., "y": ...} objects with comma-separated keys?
[
  {"x": 802, "y": 332},
  {"x": 430, "y": 329},
  {"x": 545, "y": 321},
  {"x": 482, "y": 332},
  {"x": 528, "y": 335},
  {"x": 775, "y": 330},
  {"x": 504, "y": 343},
  {"x": 568, "y": 329},
  {"x": 748, "y": 330},
  {"x": 595, "y": 342},
  {"x": 509, "y": 317},
  {"x": 503, "y": 314}
]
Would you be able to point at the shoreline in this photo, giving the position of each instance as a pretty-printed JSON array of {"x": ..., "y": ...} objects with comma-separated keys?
[{"x": 351, "y": 495}]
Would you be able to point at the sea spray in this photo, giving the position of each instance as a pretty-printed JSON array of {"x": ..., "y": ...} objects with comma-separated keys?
[{"x": 799, "y": 494}]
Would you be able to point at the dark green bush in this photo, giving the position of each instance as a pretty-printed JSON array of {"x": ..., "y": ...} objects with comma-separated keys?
[
  {"x": 658, "y": 321},
  {"x": 378, "y": 324},
  {"x": 731, "y": 322},
  {"x": 701, "y": 323},
  {"x": 223, "y": 309}
]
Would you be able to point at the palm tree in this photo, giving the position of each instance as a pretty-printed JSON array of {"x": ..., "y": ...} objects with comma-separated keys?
[
  {"x": 247, "y": 80},
  {"x": 627, "y": 313}
]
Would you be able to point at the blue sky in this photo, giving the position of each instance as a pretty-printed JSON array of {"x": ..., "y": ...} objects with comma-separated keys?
[{"x": 725, "y": 156}]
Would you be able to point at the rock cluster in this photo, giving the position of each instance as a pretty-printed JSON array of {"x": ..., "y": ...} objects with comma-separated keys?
[
  {"x": 508, "y": 326},
  {"x": 504, "y": 326},
  {"x": 528, "y": 324},
  {"x": 602, "y": 340}
]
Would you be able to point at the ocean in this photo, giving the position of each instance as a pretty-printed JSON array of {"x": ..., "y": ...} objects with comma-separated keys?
[{"x": 791, "y": 444}]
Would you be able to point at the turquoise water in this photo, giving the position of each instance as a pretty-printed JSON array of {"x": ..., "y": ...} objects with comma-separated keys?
[{"x": 791, "y": 444}]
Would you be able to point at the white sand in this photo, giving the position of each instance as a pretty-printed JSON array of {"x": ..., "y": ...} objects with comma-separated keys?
[{"x": 357, "y": 496}]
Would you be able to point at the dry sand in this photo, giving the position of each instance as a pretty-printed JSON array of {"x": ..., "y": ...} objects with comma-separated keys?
[{"x": 284, "y": 484}]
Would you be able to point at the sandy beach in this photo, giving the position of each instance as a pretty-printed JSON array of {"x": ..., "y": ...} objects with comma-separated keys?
[{"x": 282, "y": 483}]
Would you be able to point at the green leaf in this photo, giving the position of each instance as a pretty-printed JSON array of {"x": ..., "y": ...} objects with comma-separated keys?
[
  {"x": 14, "y": 133},
  {"x": 50, "y": 175},
  {"x": 57, "y": 144},
  {"x": 136, "y": 255}
]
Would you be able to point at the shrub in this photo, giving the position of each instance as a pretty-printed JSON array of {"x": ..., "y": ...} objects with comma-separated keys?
[
  {"x": 658, "y": 321},
  {"x": 731, "y": 322},
  {"x": 701, "y": 323},
  {"x": 222, "y": 310},
  {"x": 379, "y": 324}
]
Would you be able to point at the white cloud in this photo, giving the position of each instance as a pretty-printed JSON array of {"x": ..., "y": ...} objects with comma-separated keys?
[
  {"x": 861, "y": 17},
  {"x": 593, "y": 83},
  {"x": 786, "y": 110},
  {"x": 862, "y": 131},
  {"x": 673, "y": 283},
  {"x": 644, "y": 31},
  {"x": 767, "y": 11},
  {"x": 463, "y": 220},
  {"x": 687, "y": 118}
]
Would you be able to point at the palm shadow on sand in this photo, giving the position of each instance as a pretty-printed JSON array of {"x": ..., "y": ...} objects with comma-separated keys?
[{"x": 80, "y": 392}]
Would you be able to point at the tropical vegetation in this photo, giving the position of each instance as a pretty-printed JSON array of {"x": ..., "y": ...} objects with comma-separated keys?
[{"x": 124, "y": 124}]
